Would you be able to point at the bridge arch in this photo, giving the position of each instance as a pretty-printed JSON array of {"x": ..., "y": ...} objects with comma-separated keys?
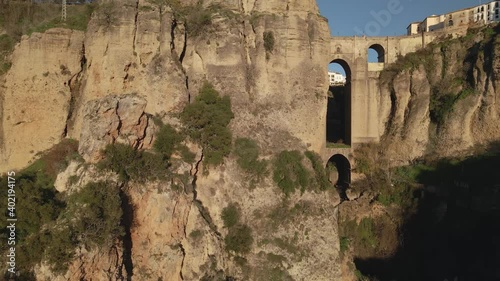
[
  {"x": 345, "y": 65},
  {"x": 343, "y": 167},
  {"x": 343, "y": 173},
  {"x": 338, "y": 116},
  {"x": 380, "y": 52}
]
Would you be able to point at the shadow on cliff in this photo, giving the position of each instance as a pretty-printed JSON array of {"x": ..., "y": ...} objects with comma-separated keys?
[
  {"x": 455, "y": 233},
  {"x": 127, "y": 221}
]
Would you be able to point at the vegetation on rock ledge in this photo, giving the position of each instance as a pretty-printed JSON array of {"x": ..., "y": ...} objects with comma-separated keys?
[
  {"x": 448, "y": 90},
  {"x": 247, "y": 153},
  {"x": 239, "y": 238},
  {"x": 51, "y": 224},
  {"x": 206, "y": 121}
]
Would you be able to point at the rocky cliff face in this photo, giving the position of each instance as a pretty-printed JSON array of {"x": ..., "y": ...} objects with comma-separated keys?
[
  {"x": 139, "y": 47},
  {"x": 442, "y": 100},
  {"x": 138, "y": 59},
  {"x": 36, "y": 97}
]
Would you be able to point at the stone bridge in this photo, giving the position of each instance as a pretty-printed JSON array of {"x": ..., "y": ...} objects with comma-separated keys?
[{"x": 360, "y": 94}]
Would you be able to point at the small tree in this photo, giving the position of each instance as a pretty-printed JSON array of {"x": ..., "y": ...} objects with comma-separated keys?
[
  {"x": 206, "y": 120},
  {"x": 167, "y": 140},
  {"x": 99, "y": 213},
  {"x": 239, "y": 239},
  {"x": 247, "y": 153},
  {"x": 230, "y": 215}
]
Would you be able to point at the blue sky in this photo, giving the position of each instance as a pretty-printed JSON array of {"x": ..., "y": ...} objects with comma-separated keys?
[{"x": 383, "y": 17}]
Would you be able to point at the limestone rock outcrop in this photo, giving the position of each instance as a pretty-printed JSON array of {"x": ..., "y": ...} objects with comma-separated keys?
[
  {"x": 115, "y": 119},
  {"x": 446, "y": 107}
]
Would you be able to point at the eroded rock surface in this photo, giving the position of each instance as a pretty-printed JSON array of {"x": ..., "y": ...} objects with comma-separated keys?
[{"x": 115, "y": 119}]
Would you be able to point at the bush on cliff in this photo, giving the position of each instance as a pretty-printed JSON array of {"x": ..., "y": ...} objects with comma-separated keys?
[
  {"x": 97, "y": 211},
  {"x": 169, "y": 141},
  {"x": 239, "y": 238},
  {"x": 206, "y": 121},
  {"x": 134, "y": 164},
  {"x": 247, "y": 154},
  {"x": 289, "y": 173},
  {"x": 230, "y": 215},
  {"x": 321, "y": 175},
  {"x": 6, "y": 46},
  {"x": 50, "y": 224}
]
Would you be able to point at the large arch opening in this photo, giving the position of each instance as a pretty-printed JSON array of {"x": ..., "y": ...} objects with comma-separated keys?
[
  {"x": 376, "y": 54},
  {"x": 338, "y": 116},
  {"x": 339, "y": 173}
]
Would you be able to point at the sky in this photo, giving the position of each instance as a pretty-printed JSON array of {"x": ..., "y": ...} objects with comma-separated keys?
[{"x": 383, "y": 17}]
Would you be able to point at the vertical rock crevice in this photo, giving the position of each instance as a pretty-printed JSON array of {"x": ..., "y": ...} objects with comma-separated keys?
[
  {"x": 183, "y": 251},
  {"x": 127, "y": 222},
  {"x": 120, "y": 123},
  {"x": 135, "y": 28},
  {"x": 199, "y": 204},
  {"x": 75, "y": 84}
]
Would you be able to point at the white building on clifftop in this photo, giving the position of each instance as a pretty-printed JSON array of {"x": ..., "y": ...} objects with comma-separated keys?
[
  {"x": 336, "y": 79},
  {"x": 481, "y": 14}
]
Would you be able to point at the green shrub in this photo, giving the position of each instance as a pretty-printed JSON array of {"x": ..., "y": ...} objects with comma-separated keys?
[
  {"x": 489, "y": 32},
  {"x": 440, "y": 107},
  {"x": 321, "y": 175},
  {"x": 230, "y": 215},
  {"x": 344, "y": 244},
  {"x": 239, "y": 239},
  {"x": 198, "y": 20},
  {"x": 56, "y": 159},
  {"x": 51, "y": 226},
  {"x": 40, "y": 205},
  {"x": 366, "y": 233},
  {"x": 167, "y": 140},
  {"x": 282, "y": 214},
  {"x": 132, "y": 164},
  {"x": 247, "y": 153},
  {"x": 98, "y": 213},
  {"x": 29, "y": 251},
  {"x": 289, "y": 173},
  {"x": 60, "y": 247},
  {"x": 37, "y": 202},
  {"x": 269, "y": 41},
  {"x": 196, "y": 234},
  {"x": 206, "y": 120},
  {"x": 6, "y": 46}
]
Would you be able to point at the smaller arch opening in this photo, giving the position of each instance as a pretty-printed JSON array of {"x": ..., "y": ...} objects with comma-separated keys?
[
  {"x": 376, "y": 54},
  {"x": 339, "y": 173}
]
